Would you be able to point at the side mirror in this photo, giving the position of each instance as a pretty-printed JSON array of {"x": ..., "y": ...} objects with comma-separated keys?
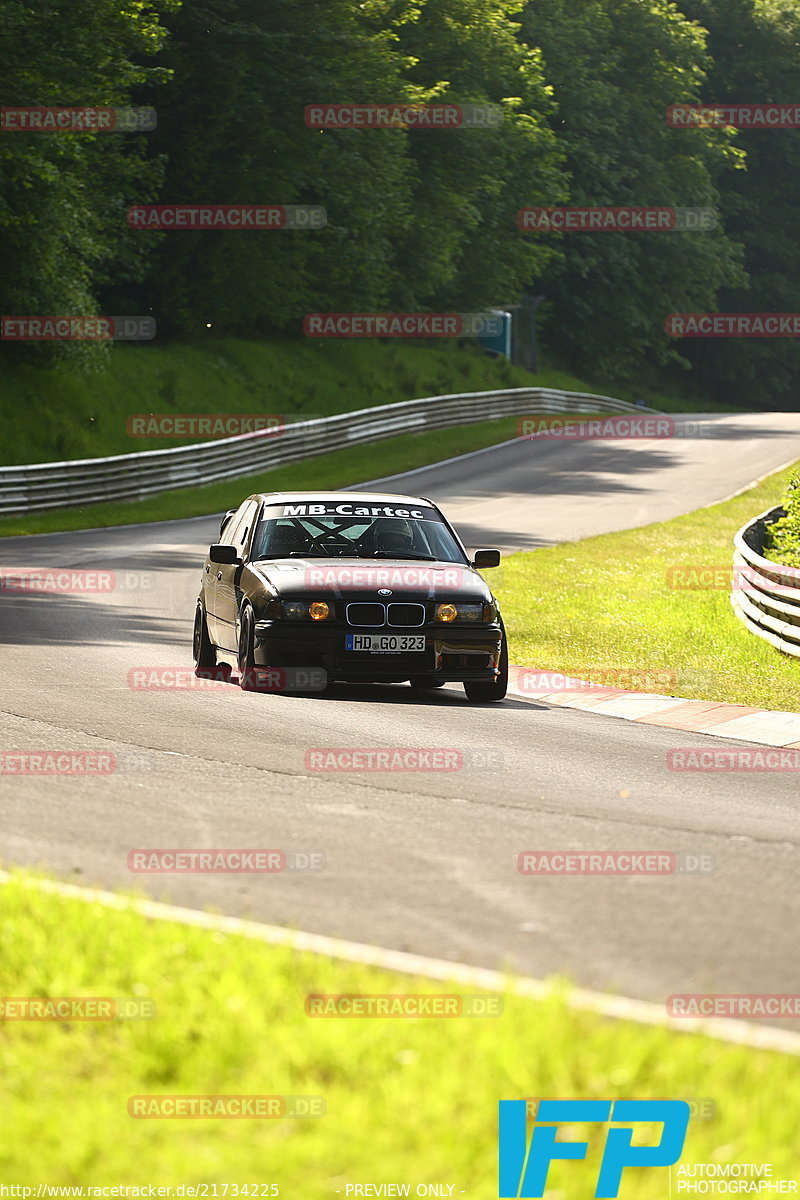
[
  {"x": 230, "y": 513},
  {"x": 486, "y": 558},
  {"x": 218, "y": 553}
]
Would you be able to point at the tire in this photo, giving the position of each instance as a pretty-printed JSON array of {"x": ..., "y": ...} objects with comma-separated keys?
[
  {"x": 486, "y": 693},
  {"x": 421, "y": 683},
  {"x": 246, "y": 653},
  {"x": 203, "y": 649}
]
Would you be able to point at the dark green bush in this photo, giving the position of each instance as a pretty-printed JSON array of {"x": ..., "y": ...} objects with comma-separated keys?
[{"x": 782, "y": 541}]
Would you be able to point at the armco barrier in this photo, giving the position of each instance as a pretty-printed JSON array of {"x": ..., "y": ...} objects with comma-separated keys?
[
  {"x": 134, "y": 476},
  {"x": 766, "y": 596}
]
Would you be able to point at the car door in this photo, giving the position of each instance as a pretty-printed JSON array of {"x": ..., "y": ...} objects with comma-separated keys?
[
  {"x": 210, "y": 575},
  {"x": 227, "y": 576}
]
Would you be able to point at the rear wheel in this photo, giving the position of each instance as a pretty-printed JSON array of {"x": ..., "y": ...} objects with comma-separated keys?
[
  {"x": 246, "y": 652},
  {"x": 204, "y": 650},
  {"x": 485, "y": 693}
]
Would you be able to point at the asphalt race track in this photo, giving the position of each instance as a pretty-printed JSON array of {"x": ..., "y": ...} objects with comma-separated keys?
[
  {"x": 423, "y": 861},
  {"x": 531, "y": 493}
]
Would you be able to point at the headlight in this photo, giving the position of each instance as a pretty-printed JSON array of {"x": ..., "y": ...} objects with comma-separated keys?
[
  {"x": 295, "y": 610},
  {"x": 303, "y": 610},
  {"x": 472, "y": 613}
]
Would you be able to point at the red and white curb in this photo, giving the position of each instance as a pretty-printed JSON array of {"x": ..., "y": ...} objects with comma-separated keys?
[
  {"x": 621, "y": 1008},
  {"x": 710, "y": 717}
]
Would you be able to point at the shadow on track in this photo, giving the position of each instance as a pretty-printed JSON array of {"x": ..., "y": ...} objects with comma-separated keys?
[{"x": 384, "y": 693}]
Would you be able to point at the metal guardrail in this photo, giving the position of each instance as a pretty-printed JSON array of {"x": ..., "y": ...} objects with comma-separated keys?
[
  {"x": 134, "y": 476},
  {"x": 766, "y": 595}
]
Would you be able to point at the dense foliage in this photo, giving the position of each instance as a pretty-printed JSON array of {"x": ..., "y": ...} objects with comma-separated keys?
[
  {"x": 418, "y": 219},
  {"x": 782, "y": 537}
]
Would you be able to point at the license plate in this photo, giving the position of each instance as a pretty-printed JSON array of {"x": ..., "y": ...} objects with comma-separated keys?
[{"x": 385, "y": 643}]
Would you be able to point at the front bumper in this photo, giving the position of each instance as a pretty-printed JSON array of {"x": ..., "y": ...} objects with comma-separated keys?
[{"x": 460, "y": 655}]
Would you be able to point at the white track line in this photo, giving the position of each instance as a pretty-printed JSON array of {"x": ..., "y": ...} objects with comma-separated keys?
[
  {"x": 620, "y": 1007},
  {"x": 753, "y": 483}
]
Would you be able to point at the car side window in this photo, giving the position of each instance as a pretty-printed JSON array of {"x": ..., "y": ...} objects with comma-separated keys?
[
  {"x": 231, "y": 529},
  {"x": 243, "y": 526}
]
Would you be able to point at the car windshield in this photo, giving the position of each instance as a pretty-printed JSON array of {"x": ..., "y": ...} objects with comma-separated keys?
[{"x": 331, "y": 536}]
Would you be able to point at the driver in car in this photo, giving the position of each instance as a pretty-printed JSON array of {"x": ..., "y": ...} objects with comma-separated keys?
[
  {"x": 394, "y": 537},
  {"x": 287, "y": 540}
]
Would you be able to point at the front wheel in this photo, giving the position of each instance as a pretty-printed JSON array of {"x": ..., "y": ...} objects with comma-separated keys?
[
  {"x": 485, "y": 693},
  {"x": 246, "y": 653},
  {"x": 204, "y": 650}
]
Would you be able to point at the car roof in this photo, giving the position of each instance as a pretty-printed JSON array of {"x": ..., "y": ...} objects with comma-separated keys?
[{"x": 392, "y": 498}]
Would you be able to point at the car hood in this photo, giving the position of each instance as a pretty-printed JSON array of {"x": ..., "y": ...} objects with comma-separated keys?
[{"x": 347, "y": 576}]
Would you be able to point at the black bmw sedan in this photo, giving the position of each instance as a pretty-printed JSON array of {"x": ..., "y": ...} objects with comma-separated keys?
[{"x": 349, "y": 586}]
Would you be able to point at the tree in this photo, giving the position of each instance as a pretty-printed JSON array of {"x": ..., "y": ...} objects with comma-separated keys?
[
  {"x": 235, "y": 133},
  {"x": 616, "y": 66},
  {"x": 754, "y": 45},
  {"x": 63, "y": 195},
  {"x": 464, "y": 249}
]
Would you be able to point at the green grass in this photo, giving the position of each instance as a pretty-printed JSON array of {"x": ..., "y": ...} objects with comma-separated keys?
[
  {"x": 604, "y": 603},
  {"x": 407, "y": 1100},
  {"x": 64, "y": 413}
]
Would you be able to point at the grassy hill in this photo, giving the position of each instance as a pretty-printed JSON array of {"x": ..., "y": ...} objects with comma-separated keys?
[{"x": 50, "y": 415}]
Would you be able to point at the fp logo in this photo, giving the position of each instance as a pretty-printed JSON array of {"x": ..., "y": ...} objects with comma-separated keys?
[{"x": 521, "y": 1178}]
